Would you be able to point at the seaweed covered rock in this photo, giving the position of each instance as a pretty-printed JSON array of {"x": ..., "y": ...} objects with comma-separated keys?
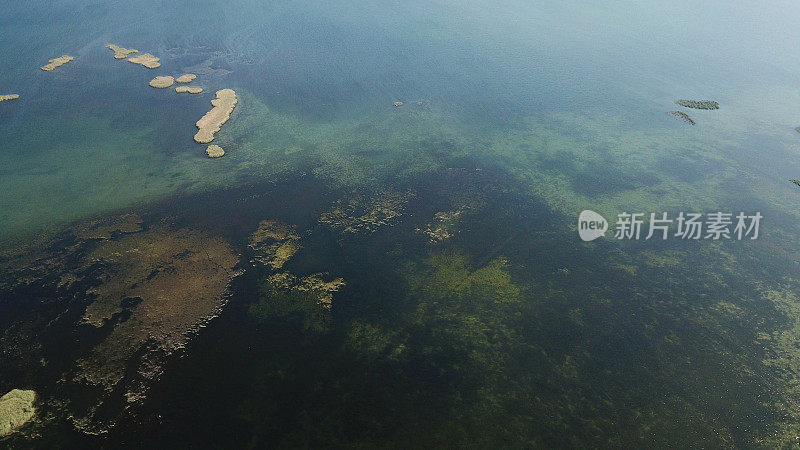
[
  {"x": 16, "y": 409},
  {"x": 273, "y": 243},
  {"x": 366, "y": 214},
  {"x": 682, "y": 116},
  {"x": 53, "y": 64},
  {"x": 120, "y": 52},
  {"x": 698, "y": 104}
]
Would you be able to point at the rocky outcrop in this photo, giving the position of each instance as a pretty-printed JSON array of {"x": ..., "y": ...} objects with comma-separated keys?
[
  {"x": 8, "y": 97},
  {"x": 146, "y": 60},
  {"x": 698, "y": 104},
  {"x": 162, "y": 82},
  {"x": 120, "y": 52},
  {"x": 215, "y": 151}
]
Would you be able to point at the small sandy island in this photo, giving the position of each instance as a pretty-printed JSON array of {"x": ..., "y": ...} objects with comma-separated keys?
[
  {"x": 147, "y": 60},
  {"x": 16, "y": 409},
  {"x": 8, "y": 97},
  {"x": 186, "y": 78},
  {"x": 162, "y": 82},
  {"x": 57, "y": 62},
  {"x": 120, "y": 52},
  {"x": 189, "y": 89},
  {"x": 215, "y": 151},
  {"x": 210, "y": 123}
]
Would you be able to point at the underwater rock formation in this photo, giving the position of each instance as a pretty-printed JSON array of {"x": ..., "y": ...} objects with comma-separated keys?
[
  {"x": 186, "y": 78},
  {"x": 698, "y": 104},
  {"x": 362, "y": 214},
  {"x": 57, "y": 62},
  {"x": 273, "y": 243},
  {"x": 211, "y": 122},
  {"x": 215, "y": 151},
  {"x": 162, "y": 82},
  {"x": 16, "y": 409},
  {"x": 8, "y": 97},
  {"x": 105, "y": 229},
  {"x": 189, "y": 89},
  {"x": 168, "y": 283},
  {"x": 682, "y": 116},
  {"x": 146, "y": 60},
  {"x": 120, "y": 52}
]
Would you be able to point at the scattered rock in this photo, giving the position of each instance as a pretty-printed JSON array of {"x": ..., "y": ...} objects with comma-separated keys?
[
  {"x": 8, "y": 97},
  {"x": 698, "y": 104},
  {"x": 16, "y": 409},
  {"x": 683, "y": 116},
  {"x": 147, "y": 60},
  {"x": 398, "y": 104},
  {"x": 215, "y": 151},
  {"x": 211, "y": 122},
  {"x": 57, "y": 62},
  {"x": 186, "y": 78},
  {"x": 162, "y": 82},
  {"x": 189, "y": 89},
  {"x": 119, "y": 52}
]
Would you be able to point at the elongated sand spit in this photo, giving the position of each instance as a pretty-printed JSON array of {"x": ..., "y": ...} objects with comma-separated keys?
[
  {"x": 120, "y": 52},
  {"x": 8, "y": 97},
  {"x": 57, "y": 62},
  {"x": 210, "y": 123}
]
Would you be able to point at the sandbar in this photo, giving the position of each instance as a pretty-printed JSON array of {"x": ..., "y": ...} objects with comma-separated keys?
[
  {"x": 215, "y": 151},
  {"x": 120, "y": 52},
  {"x": 147, "y": 60},
  {"x": 189, "y": 89},
  {"x": 211, "y": 122},
  {"x": 56, "y": 62},
  {"x": 186, "y": 78},
  {"x": 162, "y": 82}
]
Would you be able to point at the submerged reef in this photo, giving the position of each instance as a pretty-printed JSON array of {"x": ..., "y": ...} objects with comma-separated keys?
[
  {"x": 120, "y": 52},
  {"x": 106, "y": 229},
  {"x": 8, "y": 97},
  {"x": 57, "y": 62},
  {"x": 16, "y": 409},
  {"x": 698, "y": 104},
  {"x": 189, "y": 89},
  {"x": 211, "y": 122},
  {"x": 162, "y": 82},
  {"x": 682, "y": 116},
  {"x": 273, "y": 243},
  {"x": 186, "y": 78},
  {"x": 215, "y": 151},
  {"x": 443, "y": 226},
  {"x": 146, "y": 60},
  {"x": 362, "y": 214}
]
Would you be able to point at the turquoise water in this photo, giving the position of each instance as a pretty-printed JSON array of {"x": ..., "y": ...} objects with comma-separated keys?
[{"x": 564, "y": 104}]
